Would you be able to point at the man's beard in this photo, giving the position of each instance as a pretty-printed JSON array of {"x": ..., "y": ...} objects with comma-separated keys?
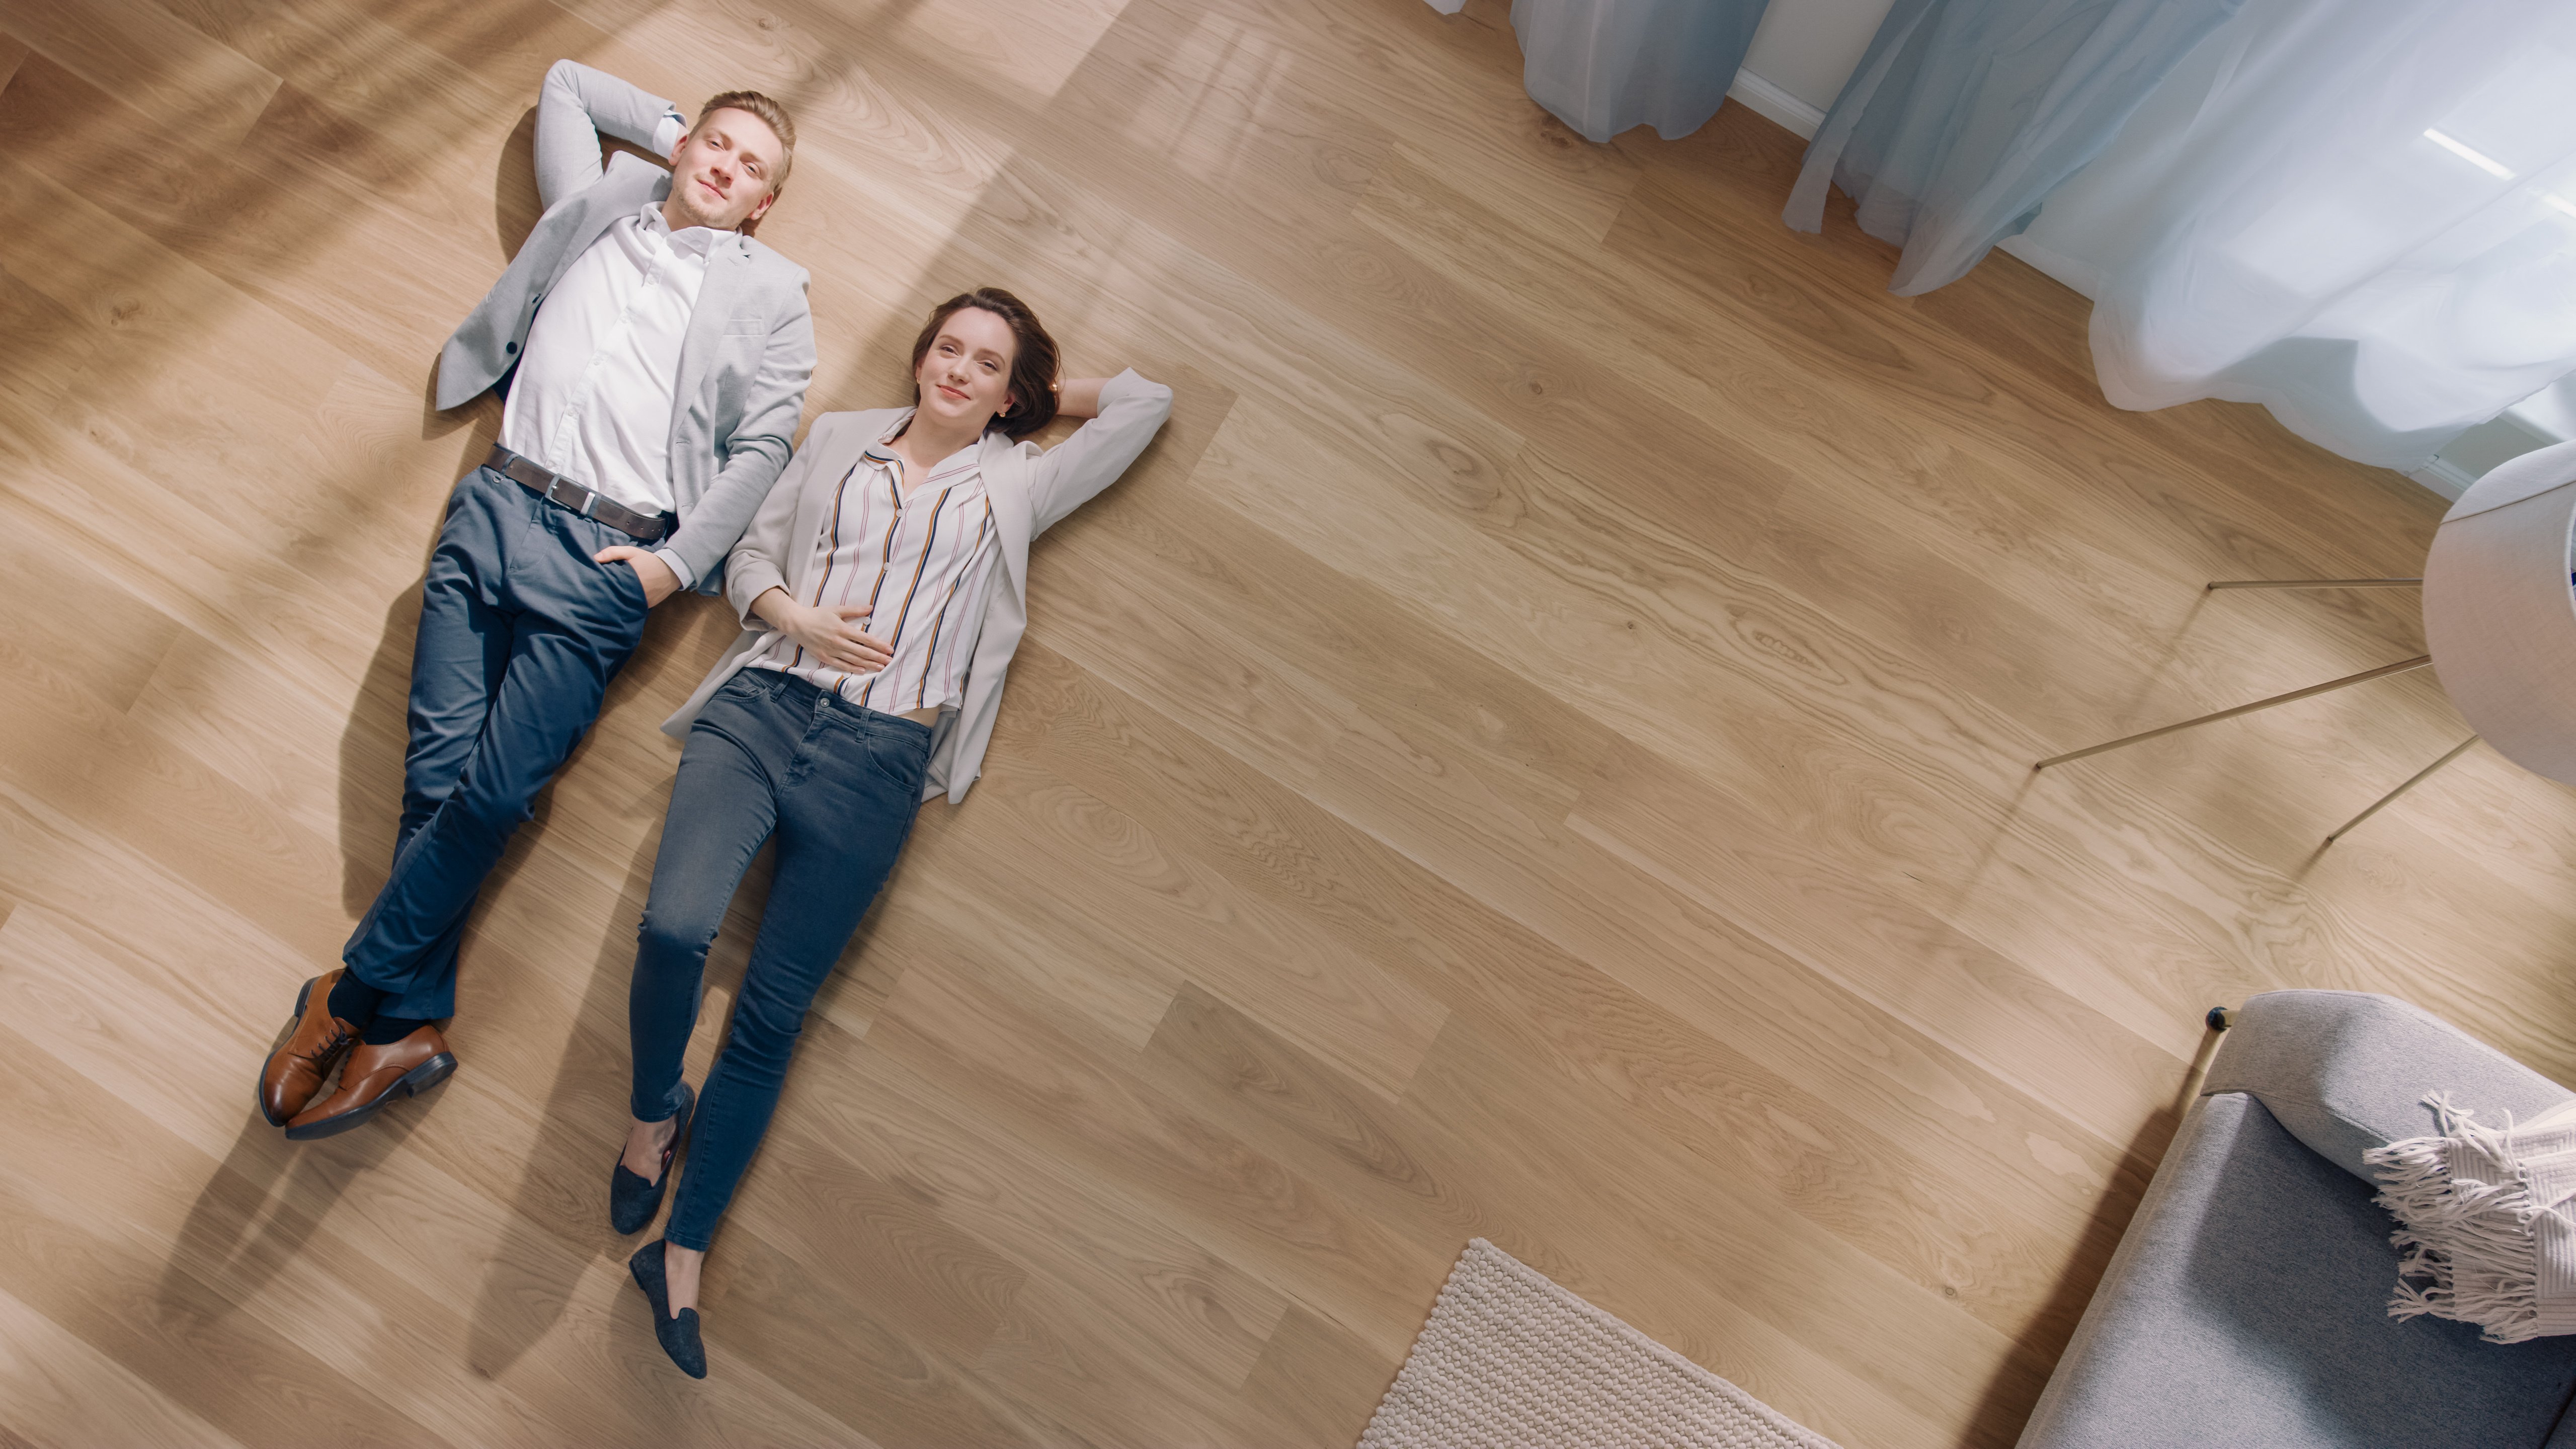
[{"x": 698, "y": 212}]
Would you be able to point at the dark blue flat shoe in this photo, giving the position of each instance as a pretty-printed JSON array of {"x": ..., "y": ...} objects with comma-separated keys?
[
  {"x": 631, "y": 1200},
  {"x": 679, "y": 1336}
]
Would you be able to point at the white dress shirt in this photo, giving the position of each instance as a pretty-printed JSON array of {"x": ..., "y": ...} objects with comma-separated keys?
[
  {"x": 922, "y": 557},
  {"x": 594, "y": 391}
]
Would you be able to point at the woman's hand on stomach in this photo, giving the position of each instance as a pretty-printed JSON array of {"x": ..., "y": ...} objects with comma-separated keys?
[{"x": 830, "y": 634}]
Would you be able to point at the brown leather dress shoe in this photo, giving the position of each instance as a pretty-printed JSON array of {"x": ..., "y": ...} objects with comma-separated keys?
[
  {"x": 374, "y": 1076},
  {"x": 299, "y": 1067}
]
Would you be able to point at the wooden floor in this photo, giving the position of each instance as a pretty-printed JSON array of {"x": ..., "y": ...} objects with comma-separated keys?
[{"x": 1539, "y": 749}]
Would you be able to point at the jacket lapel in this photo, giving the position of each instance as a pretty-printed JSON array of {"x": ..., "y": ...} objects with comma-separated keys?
[
  {"x": 598, "y": 207},
  {"x": 823, "y": 485},
  {"x": 727, "y": 260},
  {"x": 1005, "y": 466}
]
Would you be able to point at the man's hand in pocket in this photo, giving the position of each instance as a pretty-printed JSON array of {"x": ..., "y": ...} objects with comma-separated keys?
[{"x": 659, "y": 582}]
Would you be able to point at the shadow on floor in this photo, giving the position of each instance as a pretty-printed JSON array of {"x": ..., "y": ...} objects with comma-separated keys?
[
  {"x": 374, "y": 738},
  {"x": 263, "y": 1203},
  {"x": 2006, "y": 1405}
]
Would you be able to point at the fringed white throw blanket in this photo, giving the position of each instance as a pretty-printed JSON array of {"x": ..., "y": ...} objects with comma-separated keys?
[{"x": 2487, "y": 1222}]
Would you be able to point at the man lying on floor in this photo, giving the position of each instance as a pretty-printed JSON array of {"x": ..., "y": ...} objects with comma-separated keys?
[{"x": 654, "y": 359}]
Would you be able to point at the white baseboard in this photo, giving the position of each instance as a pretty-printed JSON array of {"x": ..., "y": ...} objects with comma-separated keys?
[
  {"x": 2082, "y": 278},
  {"x": 2444, "y": 478},
  {"x": 1765, "y": 98},
  {"x": 1773, "y": 103}
]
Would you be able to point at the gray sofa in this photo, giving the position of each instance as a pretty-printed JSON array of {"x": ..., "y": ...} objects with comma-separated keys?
[{"x": 2247, "y": 1304}]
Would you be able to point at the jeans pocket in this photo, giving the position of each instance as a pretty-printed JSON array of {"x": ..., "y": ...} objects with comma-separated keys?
[
  {"x": 894, "y": 757},
  {"x": 630, "y": 583}
]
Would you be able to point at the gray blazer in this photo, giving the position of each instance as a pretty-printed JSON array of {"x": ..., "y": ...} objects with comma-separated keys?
[
  {"x": 750, "y": 348},
  {"x": 1031, "y": 492}
]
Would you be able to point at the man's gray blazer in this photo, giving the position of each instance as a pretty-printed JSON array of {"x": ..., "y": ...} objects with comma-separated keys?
[{"x": 743, "y": 367}]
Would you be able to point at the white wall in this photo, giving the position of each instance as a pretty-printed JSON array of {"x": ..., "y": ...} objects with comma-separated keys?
[{"x": 1808, "y": 48}]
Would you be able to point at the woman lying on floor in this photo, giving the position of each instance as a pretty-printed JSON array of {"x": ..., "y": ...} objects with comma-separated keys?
[{"x": 916, "y": 522}]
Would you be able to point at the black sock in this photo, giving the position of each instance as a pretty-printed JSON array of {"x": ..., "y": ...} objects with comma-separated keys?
[
  {"x": 354, "y": 1001},
  {"x": 386, "y": 1030}
]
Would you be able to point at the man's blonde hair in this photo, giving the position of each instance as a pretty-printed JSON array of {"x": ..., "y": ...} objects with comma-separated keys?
[{"x": 771, "y": 113}]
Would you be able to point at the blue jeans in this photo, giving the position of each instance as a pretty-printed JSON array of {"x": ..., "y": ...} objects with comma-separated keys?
[
  {"x": 838, "y": 785},
  {"x": 519, "y": 635}
]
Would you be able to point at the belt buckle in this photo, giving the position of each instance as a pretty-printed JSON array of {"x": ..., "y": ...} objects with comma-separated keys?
[{"x": 578, "y": 503}]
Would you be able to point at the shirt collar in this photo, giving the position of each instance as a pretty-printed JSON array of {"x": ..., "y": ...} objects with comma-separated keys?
[
  {"x": 881, "y": 452},
  {"x": 699, "y": 240}
]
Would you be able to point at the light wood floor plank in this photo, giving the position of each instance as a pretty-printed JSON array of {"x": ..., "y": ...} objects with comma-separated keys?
[
  {"x": 139, "y": 50},
  {"x": 1163, "y": 1292},
  {"x": 61, "y": 1392},
  {"x": 1563, "y": 1014}
]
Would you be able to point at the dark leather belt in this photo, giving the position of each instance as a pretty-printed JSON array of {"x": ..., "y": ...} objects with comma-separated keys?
[{"x": 563, "y": 492}]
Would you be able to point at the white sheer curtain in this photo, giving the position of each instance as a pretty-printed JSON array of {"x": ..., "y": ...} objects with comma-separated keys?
[
  {"x": 1602, "y": 66},
  {"x": 1966, "y": 114},
  {"x": 2358, "y": 213}
]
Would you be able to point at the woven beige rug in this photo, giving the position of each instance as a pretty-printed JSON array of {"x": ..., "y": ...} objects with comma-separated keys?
[{"x": 1511, "y": 1361}]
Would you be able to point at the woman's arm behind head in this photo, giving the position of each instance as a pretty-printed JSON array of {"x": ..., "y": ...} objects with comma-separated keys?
[
  {"x": 1079, "y": 398},
  {"x": 1125, "y": 412}
]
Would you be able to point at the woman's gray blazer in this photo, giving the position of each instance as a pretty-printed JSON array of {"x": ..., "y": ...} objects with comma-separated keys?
[{"x": 1031, "y": 491}]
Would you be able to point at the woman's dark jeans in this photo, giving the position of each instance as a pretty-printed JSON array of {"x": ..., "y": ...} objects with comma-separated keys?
[{"x": 838, "y": 785}]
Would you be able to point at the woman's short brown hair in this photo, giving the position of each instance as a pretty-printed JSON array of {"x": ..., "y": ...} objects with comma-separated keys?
[
  {"x": 771, "y": 114},
  {"x": 1033, "y": 357}
]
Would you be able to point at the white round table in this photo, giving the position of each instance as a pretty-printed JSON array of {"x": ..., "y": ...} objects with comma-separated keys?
[{"x": 2500, "y": 614}]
